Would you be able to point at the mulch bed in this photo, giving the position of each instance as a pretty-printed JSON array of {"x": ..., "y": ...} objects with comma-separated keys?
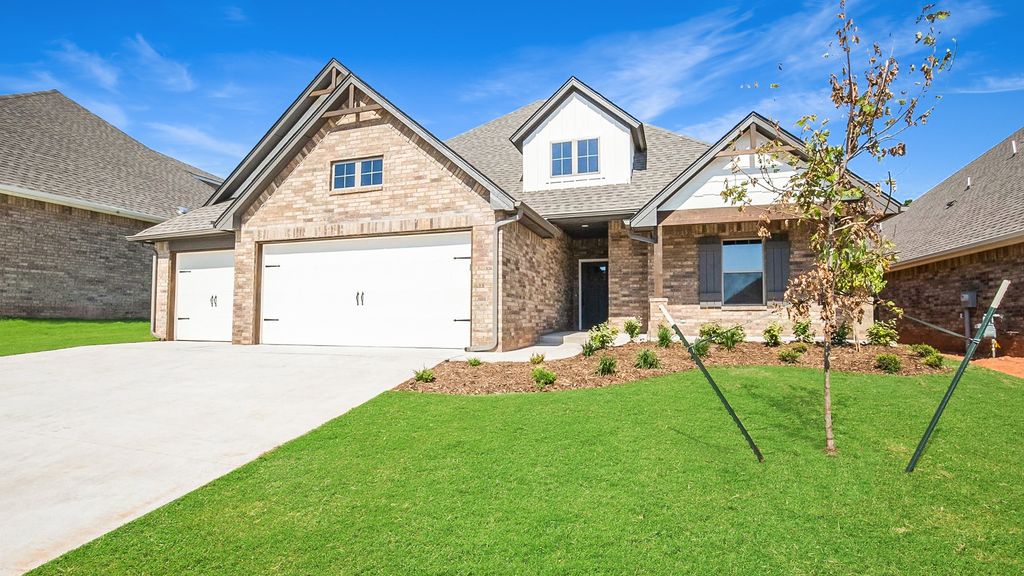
[{"x": 458, "y": 377}]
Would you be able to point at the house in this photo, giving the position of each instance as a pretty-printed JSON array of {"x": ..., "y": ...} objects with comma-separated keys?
[
  {"x": 72, "y": 187},
  {"x": 956, "y": 243},
  {"x": 351, "y": 224}
]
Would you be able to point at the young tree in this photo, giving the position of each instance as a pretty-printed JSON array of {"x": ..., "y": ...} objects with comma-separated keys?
[{"x": 841, "y": 211}]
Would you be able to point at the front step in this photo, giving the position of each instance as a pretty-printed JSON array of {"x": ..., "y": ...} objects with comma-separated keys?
[{"x": 567, "y": 337}]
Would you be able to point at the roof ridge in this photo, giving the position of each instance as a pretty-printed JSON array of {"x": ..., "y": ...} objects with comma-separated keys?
[
  {"x": 24, "y": 94},
  {"x": 496, "y": 119}
]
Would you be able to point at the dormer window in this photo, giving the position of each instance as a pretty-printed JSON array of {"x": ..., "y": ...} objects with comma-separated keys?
[
  {"x": 561, "y": 159},
  {"x": 586, "y": 159}
]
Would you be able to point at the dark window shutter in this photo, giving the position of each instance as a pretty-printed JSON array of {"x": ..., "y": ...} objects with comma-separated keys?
[
  {"x": 709, "y": 270},
  {"x": 776, "y": 267}
]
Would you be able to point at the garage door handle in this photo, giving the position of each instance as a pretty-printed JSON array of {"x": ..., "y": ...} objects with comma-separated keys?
[
  {"x": 463, "y": 320},
  {"x": 359, "y": 298},
  {"x": 270, "y": 319},
  {"x": 185, "y": 318}
]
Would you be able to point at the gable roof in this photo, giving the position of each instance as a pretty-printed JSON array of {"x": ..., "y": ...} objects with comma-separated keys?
[
  {"x": 53, "y": 149},
  {"x": 576, "y": 86},
  {"x": 952, "y": 218},
  {"x": 647, "y": 215},
  {"x": 490, "y": 148},
  {"x": 291, "y": 136}
]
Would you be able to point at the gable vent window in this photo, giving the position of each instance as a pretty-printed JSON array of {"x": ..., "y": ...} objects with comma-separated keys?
[
  {"x": 586, "y": 156},
  {"x": 370, "y": 173},
  {"x": 742, "y": 272},
  {"x": 561, "y": 158}
]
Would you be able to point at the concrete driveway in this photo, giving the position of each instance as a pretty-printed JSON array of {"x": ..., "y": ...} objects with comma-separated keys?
[{"x": 93, "y": 437}]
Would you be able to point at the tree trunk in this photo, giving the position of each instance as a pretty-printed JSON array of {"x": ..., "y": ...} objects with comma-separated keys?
[{"x": 830, "y": 441}]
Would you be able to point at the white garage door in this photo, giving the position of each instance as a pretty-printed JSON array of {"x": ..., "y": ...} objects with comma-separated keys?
[
  {"x": 203, "y": 293},
  {"x": 410, "y": 291}
]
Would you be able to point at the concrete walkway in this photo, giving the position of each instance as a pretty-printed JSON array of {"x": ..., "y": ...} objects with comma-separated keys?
[{"x": 93, "y": 437}]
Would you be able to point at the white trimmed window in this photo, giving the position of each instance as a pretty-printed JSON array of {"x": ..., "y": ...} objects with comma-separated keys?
[
  {"x": 742, "y": 272},
  {"x": 586, "y": 156},
  {"x": 357, "y": 173},
  {"x": 561, "y": 158},
  {"x": 583, "y": 156}
]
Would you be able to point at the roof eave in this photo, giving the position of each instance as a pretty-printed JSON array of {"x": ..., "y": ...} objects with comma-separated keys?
[
  {"x": 176, "y": 235},
  {"x": 50, "y": 198}
]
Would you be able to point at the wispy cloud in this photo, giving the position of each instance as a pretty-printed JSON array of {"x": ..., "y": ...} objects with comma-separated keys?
[
  {"x": 109, "y": 111},
  {"x": 183, "y": 135},
  {"x": 170, "y": 74},
  {"x": 780, "y": 106},
  {"x": 89, "y": 64},
  {"x": 36, "y": 80},
  {"x": 235, "y": 14},
  {"x": 992, "y": 85}
]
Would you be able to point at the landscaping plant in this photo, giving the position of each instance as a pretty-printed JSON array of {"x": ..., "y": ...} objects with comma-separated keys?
[
  {"x": 934, "y": 360},
  {"x": 924, "y": 350},
  {"x": 730, "y": 338},
  {"x": 474, "y": 361},
  {"x": 647, "y": 359},
  {"x": 536, "y": 358},
  {"x": 772, "y": 334},
  {"x": 589, "y": 348},
  {"x": 606, "y": 366},
  {"x": 424, "y": 375},
  {"x": 840, "y": 211},
  {"x": 664, "y": 336},
  {"x": 841, "y": 334},
  {"x": 883, "y": 333},
  {"x": 802, "y": 331},
  {"x": 789, "y": 355},
  {"x": 701, "y": 348},
  {"x": 543, "y": 377},
  {"x": 799, "y": 347},
  {"x": 710, "y": 331},
  {"x": 888, "y": 363},
  {"x": 603, "y": 335},
  {"x": 632, "y": 327}
]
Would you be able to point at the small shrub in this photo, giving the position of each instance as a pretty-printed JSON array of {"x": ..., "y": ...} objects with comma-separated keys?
[
  {"x": 536, "y": 358},
  {"x": 474, "y": 361},
  {"x": 841, "y": 334},
  {"x": 589, "y": 349},
  {"x": 647, "y": 359},
  {"x": 799, "y": 347},
  {"x": 934, "y": 361},
  {"x": 888, "y": 363},
  {"x": 425, "y": 375},
  {"x": 802, "y": 331},
  {"x": 664, "y": 336},
  {"x": 702, "y": 347},
  {"x": 789, "y": 355},
  {"x": 923, "y": 350},
  {"x": 632, "y": 327},
  {"x": 543, "y": 377},
  {"x": 710, "y": 331},
  {"x": 606, "y": 366},
  {"x": 603, "y": 335},
  {"x": 728, "y": 339},
  {"x": 883, "y": 333},
  {"x": 773, "y": 334}
]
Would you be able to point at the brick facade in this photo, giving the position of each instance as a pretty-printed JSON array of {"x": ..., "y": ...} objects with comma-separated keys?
[
  {"x": 931, "y": 292},
  {"x": 628, "y": 277},
  {"x": 63, "y": 262},
  {"x": 536, "y": 285}
]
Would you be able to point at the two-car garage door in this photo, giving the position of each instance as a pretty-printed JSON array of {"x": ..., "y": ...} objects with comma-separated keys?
[{"x": 385, "y": 291}]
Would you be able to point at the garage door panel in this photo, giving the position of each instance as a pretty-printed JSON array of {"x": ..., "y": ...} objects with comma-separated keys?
[{"x": 384, "y": 291}]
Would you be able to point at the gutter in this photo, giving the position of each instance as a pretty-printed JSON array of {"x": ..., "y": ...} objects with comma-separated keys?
[
  {"x": 496, "y": 288},
  {"x": 12, "y": 190},
  {"x": 990, "y": 244},
  {"x": 176, "y": 235}
]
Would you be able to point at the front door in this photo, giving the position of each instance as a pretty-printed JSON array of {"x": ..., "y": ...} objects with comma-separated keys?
[{"x": 593, "y": 293}]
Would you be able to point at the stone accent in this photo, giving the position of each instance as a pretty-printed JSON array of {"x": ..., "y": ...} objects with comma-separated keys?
[
  {"x": 421, "y": 192},
  {"x": 536, "y": 285},
  {"x": 628, "y": 278},
  {"x": 931, "y": 292},
  {"x": 163, "y": 308},
  {"x": 63, "y": 262}
]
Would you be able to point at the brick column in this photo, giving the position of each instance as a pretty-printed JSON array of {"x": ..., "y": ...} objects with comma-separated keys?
[{"x": 655, "y": 318}]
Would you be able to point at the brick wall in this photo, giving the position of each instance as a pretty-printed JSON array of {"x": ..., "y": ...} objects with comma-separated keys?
[
  {"x": 931, "y": 292},
  {"x": 537, "y": 275},
  {"x": 628, "y": 278},
  {"x": 63, "y": 262},
  {"x": 422, "y": 191}
]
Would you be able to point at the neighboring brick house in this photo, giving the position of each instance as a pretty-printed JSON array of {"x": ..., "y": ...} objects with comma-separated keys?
[
  {"x": 350, "y": 224},
  {"x": 72, "y": 188},
  {"x": 965, "y": 235}
]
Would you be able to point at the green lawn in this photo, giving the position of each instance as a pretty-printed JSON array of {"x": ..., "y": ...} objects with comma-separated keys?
[
  {"x": 648, "y": 477},
  {"x": 20, "y": 336}
]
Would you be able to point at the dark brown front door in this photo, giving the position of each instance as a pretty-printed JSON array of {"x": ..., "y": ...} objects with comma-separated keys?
[{"x": 593, "y": 293}]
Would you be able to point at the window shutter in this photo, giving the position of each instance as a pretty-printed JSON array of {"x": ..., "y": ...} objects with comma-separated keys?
[
  {"x": 776, "y": 267},
  {"x": 709, "y": 271}
]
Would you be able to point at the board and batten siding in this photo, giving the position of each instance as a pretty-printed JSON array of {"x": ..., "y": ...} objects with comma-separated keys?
[
  {"x": 578, "y": 119},
  {"x": 705, "y": 189}
]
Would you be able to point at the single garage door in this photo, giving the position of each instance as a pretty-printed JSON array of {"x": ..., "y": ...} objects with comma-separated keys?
[
  {"x": 203, "y": 293},
  {"x": 409, "y": 291}
]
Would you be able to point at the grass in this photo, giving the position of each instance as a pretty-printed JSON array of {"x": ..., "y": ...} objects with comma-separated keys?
[
  {"x": 18, "y": 336},
  {"x": 648, "y": 477}
]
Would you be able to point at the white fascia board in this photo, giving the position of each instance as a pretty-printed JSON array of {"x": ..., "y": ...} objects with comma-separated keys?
[{"x": 12, "y": 190}]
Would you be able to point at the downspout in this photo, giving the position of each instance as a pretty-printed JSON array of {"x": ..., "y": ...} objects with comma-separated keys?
[
  {"x": 496, "y": 289},
  {"x": 152, "y": 295}
]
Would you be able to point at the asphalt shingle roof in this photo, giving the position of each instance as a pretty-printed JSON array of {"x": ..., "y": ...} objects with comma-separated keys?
[
  {"x": 48, "y": 143},
  {"x": 489, "y": 149},
  {"x": 950, "y": 216},
  {"x": 194, "y": 220}
]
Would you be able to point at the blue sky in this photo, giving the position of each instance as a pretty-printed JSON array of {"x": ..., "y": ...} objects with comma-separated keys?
[{"x": 202, "y": 81}]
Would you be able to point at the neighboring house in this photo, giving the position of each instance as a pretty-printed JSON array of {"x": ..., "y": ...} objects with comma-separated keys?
[
  {"x": 72, "y": 187},
  {"x": 965, "y": 235},
  {"x": 351, "y": 224}
]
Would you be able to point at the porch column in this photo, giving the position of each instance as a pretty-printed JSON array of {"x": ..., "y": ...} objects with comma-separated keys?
[{"x": 657, "y": 296}]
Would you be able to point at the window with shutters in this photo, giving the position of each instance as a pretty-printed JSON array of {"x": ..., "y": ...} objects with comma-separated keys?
[{"x": 742, "y": 272}]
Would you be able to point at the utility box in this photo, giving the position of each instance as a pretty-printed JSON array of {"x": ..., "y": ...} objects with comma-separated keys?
[{"x": 969, "y": 299}]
